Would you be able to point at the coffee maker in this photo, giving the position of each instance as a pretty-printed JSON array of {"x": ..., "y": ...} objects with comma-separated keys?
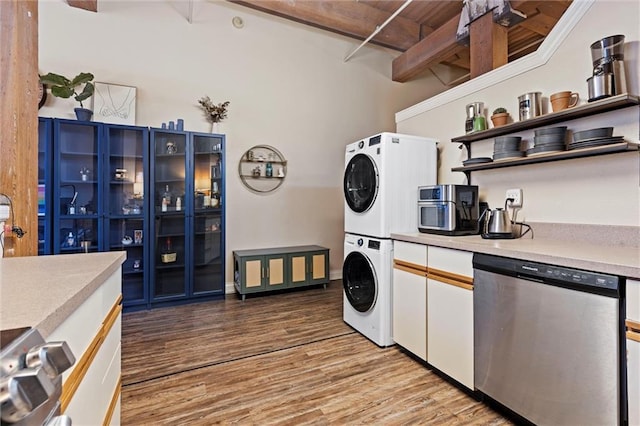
[{"x": 608, "y": 77}]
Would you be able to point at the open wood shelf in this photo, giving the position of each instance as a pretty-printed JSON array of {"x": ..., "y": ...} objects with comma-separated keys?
[
  {"x": 555, "y": 156},
  {"x": 604, "y": 105}
]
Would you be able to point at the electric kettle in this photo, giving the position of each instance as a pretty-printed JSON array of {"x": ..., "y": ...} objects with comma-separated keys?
[{"x": 497, "y": 224}]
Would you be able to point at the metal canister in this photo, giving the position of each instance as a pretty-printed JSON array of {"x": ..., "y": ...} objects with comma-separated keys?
[{"x": 530, "y": 105}]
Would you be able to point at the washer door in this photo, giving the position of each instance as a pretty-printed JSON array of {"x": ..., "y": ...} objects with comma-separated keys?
[
  {"x": 359, "y": 281},
  {"x": 360, "y": 183}
]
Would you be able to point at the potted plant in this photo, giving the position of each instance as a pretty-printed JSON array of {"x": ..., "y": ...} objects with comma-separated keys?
[
  {"x": 499, "y": 117},
  {"x": 62, "y": 87},
  {"x": 212, "y": 112}
]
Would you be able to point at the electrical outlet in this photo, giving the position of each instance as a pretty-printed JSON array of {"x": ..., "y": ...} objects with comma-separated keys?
[{"x": 516, "y": 195}]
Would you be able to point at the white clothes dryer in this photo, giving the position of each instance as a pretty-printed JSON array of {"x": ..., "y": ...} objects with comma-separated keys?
[
  {"x": 381, "y": 179},
  {"x": 367, "y": 292}
]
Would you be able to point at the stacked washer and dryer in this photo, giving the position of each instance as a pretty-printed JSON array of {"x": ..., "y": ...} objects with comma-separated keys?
[{"x": 381, "y": 178}]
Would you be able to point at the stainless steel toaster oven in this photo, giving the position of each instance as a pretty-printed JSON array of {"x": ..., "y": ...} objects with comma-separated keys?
[{"x": 448, "y": 209}]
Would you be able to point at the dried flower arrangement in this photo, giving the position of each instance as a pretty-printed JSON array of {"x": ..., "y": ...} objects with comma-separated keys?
[{"x": 212, "y": 112}]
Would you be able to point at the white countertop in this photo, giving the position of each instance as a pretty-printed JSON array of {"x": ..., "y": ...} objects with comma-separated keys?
[
  {"x": 616, "y": 260},
  {"x": 42, "y": 291}
]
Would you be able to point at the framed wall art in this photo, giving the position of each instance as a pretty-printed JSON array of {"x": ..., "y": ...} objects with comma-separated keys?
[{"x": 114, "y": 103}]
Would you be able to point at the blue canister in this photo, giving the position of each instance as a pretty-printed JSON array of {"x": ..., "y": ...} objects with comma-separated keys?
[
  {"x": 180, "y": 125},
  {"x": 172, "y": 125}
]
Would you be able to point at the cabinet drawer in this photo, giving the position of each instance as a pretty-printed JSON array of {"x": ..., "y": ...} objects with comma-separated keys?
[
  {"x": 410, "y": 252},
  {"x": 456, "y": 261},
  {"x": 633, "y": 300}
]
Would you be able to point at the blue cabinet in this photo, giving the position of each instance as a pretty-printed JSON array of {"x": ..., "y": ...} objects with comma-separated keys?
[
  {"x": 188, "y": 220},
  {"x": 157, "y": 194},
  {"x": 45, "y": 221}
]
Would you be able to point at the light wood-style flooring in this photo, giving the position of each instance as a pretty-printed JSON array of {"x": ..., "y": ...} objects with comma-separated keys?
[{"x": 285, "y": 358}]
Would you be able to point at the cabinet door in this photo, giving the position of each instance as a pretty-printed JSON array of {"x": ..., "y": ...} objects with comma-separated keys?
[
  {"x": 410, "y": 311},
  {"x": 298, "y": 268},
  {"x": 126, "y": 228},
  {"x": 318, "y": 267},
  {"x": 169, "y": 172},
  {"x": 45, "y": 165},
  {"x": 450, "y": 330},
  {"x": 633, "y": 379},
  {"x": 205, "y": 199},
  {"x": 275, "y": 271},
  {"x": 252, "y": 273},
  {"x": 77, "y": 195}
]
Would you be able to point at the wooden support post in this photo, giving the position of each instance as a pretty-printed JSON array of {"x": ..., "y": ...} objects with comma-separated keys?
[
  {"x": 19, "y": 120},
  {"x": 489, "y": 45}
]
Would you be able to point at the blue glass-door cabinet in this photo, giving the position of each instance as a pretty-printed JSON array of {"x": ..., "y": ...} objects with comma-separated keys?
[
  {"x": 187, "y": 202},
  {"x": 45, "y": 152},
  {"x": 99, "y": 174},
  {"x": 77, "y": 191},
  {"x": 126, "y": 225}
]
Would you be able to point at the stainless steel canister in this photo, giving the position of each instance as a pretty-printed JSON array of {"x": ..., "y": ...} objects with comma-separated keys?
[{"x": 530, "y": 105}]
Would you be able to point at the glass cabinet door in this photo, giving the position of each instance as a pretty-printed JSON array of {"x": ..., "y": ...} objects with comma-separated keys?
[
  {"x": 208, "y": 202},
  {"x": 77, "y": 197},
  {"x": 169, "y": 209},
  {"x": 125, "y": 193},
  {"x": 44, "y": 185}
]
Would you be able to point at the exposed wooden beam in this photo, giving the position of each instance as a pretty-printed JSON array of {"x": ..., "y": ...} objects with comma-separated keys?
[
  {"x": 435, "y": 47},
  {"x": 488, "y": 44},
  {"x": 19, "y": 121},
  {"x": 350, "y": 18},
  {"x": 90, "y": 5}
]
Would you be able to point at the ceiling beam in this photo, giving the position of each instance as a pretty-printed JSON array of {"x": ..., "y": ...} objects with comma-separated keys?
[
  {"x": 90, "y": 5},
  {"x": 432, "y": 49},
  {"x": 350, "y": 18},
  {"x": 488, "y": 44}
]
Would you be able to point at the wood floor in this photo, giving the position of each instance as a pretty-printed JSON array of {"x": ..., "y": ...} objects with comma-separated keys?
[{"x": 286, "y": 358}]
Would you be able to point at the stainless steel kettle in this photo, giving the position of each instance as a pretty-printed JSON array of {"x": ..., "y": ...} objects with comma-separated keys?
[{"x": 497, "y": 223}]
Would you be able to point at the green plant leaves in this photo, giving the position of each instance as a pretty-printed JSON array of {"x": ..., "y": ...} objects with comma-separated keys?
[
  {"x": 83, "y": 77},
  {"x": 62, "y": 91},
  {"x": 52, "y": 79},
  {"x": 86, "y": 92}
]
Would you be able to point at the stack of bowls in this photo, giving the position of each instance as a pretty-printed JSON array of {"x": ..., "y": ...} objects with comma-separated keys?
[
  {"x": 551, "y": 139},
  {"x": 507, "y": 147}
]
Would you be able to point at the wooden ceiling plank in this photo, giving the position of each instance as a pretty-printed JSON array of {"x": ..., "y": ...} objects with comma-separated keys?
[
  {"x": 90, "y": 5},
  {"x": 350, "y": 18},
  {"x": 438, "y": 45},
  {"x": 541, "y": 24}
]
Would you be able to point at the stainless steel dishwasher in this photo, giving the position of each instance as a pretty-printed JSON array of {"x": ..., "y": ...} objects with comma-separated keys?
[{"x": 548, "y": 341}]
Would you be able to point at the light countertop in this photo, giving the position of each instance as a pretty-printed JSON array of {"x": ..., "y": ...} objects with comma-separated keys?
[
  {"x": 42, "y": 291},
  {"x": 616, "y": 260}
]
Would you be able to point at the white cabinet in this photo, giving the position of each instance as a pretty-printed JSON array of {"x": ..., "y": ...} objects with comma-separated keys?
[
  {"x": 633, "y": 351},
  {"x": 410, "y": 297},
  {"x": 91, "y": 388},
  {"x": 450, "y": 313}
]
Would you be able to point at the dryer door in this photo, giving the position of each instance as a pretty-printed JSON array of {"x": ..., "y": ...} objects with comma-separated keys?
[
  {"x": 360, "y": 183},
  {"x": 359, "y": 281}
]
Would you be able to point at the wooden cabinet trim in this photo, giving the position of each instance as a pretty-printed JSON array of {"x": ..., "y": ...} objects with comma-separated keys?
[
  {"x": 412, "y": 268},
  {"x": 450, "y": 278},
  {"x": 72, "y": 383},
  {"x": 632, "y": 326},
  {"x": 114, "y": 402},
  {"x": 632, "y": 335}
]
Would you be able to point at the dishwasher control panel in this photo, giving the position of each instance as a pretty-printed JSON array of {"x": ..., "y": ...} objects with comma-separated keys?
[
  {"x": 570, "y": 275},
  {"x": 543, "y": 272}
]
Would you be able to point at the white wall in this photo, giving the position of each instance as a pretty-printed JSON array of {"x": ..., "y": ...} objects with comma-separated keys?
[
  {"x": 287, "y": 84},
  {"x": 597, "y": 190}
]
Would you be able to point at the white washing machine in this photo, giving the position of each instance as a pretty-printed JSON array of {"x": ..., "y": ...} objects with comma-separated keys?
[
  {"x": 381, "y": 179},
  {"x": 366, "y": 281}
]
